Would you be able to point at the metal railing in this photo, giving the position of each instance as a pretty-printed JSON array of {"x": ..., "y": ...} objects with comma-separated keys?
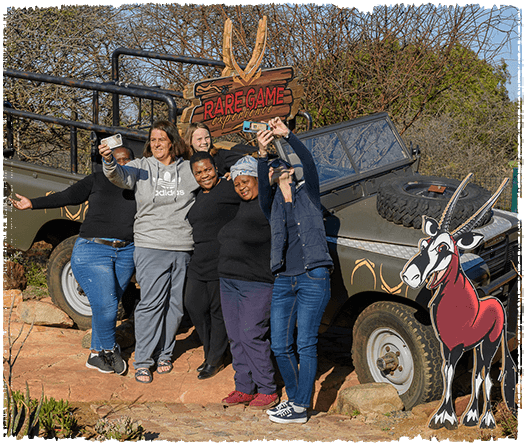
[{"x": 75, "y": 125}]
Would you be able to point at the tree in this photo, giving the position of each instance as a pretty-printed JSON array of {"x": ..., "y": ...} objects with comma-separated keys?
[
  {"x": 72, "y": 42},
  {"x": 411, "y": 61}
]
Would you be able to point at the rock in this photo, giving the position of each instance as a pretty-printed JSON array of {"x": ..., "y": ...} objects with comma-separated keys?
[
  {"x": 427, "y": 409},
  {"x": 14, "y": 276},
  {"x": 9, "y": 295},
  {"x": 43, "y": 313},
  {"x": 369, "y": 398}
]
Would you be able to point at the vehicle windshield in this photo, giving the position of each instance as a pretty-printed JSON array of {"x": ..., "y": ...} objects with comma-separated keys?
[{"x": 352, "y": 149}]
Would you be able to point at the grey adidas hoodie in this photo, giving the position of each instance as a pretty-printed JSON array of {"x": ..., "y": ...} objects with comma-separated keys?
[{"x": 164, "y": 195}]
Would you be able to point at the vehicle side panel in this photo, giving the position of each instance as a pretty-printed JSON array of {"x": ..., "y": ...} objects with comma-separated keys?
[{"x": 35, "y": 181}]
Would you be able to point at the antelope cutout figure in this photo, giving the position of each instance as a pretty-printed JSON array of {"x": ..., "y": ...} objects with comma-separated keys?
[{"x": 462, "y": 321}]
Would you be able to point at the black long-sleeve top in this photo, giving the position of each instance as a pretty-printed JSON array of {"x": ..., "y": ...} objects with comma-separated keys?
[
  {"x": 245, "y": 245},
  {"x": 210, "y": 212},
  {"x": 111, "y": 210}
]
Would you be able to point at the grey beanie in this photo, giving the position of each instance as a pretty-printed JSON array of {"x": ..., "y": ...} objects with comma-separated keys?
[{"x": 244, "y": 166}]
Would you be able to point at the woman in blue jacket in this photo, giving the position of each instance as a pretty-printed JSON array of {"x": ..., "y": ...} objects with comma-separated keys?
[{"x": 301, "y": 262}]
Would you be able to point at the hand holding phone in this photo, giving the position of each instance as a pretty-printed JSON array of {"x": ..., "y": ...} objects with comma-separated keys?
[
  {"x": 254, "y": 127},
  {"x": 113, "y": 141}
]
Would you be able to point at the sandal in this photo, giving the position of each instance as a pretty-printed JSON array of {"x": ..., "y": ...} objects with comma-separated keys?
[
  {"x": 164, "y": 363},
  {"x": 141, "y": 373}
]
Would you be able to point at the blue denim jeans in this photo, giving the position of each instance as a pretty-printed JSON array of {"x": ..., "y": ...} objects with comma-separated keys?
[
  {"x": 298, "y": 300},
  {"x": 103, "y": 273}
]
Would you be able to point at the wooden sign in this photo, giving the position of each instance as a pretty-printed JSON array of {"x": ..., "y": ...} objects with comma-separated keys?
[{"x": 241, "y": 95}]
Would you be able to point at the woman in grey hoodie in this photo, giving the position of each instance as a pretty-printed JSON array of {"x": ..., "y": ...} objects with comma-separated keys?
[{"x": 165, "y": 189}]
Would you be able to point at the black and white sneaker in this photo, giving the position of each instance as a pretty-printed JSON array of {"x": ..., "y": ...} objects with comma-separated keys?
[
  {"x": 99, "y": 361},
  {"x": 289, "y": 415},
  {"x": 114, "y": 359}
]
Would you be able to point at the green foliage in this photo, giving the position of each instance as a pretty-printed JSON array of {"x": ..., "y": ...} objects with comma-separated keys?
[
  {"x": 55, "y": 418},
  {"x": 36, "y": 276},
  {"x": 21, "y": 413},
  {"x": 410, "y": 81}
]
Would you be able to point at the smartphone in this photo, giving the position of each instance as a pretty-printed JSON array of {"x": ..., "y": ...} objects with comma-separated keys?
[
  {"x": 113, "y": 141},
  {"x": 254, "y": 127}
]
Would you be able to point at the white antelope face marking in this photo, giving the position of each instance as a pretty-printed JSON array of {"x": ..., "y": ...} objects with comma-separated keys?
[{"x": 431, "y": 262}]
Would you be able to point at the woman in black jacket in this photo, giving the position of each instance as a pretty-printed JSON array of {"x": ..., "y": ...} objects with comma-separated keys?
[
  {"x": 102, "y": 258},
  {"x": 215, "y": 205}
]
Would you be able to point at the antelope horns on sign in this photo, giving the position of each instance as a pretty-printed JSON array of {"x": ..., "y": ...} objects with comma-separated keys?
[{"x": 251, "y": 71}]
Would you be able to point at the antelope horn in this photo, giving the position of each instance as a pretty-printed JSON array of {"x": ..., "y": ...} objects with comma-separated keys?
[
  {"x": 227, "y": 48},
  {"x": 450, "y": 206},
  {"x": 477, "y": 217},
  {"x": 257, "y": 54},
  {"x": 259, "y": 49}
]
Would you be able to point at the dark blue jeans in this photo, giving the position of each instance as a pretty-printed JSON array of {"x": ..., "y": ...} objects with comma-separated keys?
[
  {"x": 298, "y": 300},
  {"x": 103, "y": 273}
]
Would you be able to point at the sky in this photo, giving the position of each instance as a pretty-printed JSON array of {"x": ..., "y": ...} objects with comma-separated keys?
[{"x": 514, "y": 58}]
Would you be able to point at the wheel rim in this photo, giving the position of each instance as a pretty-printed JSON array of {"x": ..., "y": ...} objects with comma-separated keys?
[
  {"x": 382, "y": 342},
  {"x": 77, "y": 301}
]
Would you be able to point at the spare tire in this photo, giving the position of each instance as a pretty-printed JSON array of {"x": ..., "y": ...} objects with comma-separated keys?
[{"x": 404, "y": 200}]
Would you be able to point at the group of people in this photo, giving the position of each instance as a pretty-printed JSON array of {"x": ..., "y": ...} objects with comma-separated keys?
[{"x": 237, "y": 241}]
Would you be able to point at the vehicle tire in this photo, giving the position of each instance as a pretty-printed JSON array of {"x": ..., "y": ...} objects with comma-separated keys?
[
  {"x": 404, "y": 200},
  {"x": 63, "y": 287},
  {"x": 390, "y": 328}
]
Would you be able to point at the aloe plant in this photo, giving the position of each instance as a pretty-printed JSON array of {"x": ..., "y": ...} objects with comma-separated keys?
[{"x": 20, "y": 414}]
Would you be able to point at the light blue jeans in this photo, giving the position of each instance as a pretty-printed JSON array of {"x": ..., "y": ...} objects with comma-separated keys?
[
  {"x": 103, "y": 273},
  {"x": 298, "y": 300}
]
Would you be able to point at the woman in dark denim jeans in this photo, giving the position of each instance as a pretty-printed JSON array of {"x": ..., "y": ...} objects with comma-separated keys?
[
  {"x": 301, "y": 262},
  {"x": 102, "y": 258}
]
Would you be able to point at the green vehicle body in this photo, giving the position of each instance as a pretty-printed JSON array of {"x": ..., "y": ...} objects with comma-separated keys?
[{"x": 50, "y": 225}]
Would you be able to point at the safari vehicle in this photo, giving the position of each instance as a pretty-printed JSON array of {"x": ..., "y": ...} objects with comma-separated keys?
[{"x": 373, "y": 201}]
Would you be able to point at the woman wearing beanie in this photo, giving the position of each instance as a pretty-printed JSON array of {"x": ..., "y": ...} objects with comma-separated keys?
[{"x": 246, "y": 285}]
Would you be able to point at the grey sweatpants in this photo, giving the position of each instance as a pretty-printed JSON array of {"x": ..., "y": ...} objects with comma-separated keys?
[{"x": 160, "y": 274}]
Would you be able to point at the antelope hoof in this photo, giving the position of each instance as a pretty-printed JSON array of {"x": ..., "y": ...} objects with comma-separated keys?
[
  {"x": 488, "y": 421},
  {"x": 471, "y": 419},
  {"x": 444, "y": 419}
]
